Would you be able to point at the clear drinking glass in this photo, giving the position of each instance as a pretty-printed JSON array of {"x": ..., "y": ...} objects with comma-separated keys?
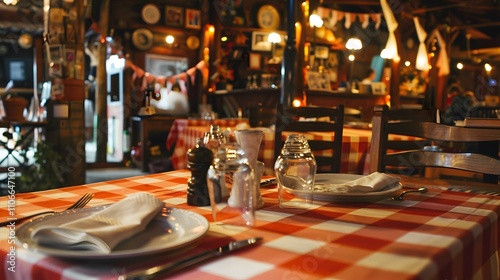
[
  {"x": 249, "y": 141},
  {"x": 214, "y": 138},
  {"x": 295, "y": 169},
  {"x": 231, "y": 174}
]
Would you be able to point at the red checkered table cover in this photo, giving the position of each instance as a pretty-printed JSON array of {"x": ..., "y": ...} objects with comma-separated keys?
[
  {"x": 437, "y": 235},
  {"x": 354, "y": 158}
]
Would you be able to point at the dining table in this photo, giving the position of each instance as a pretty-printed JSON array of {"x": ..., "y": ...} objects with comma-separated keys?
[
  {"x": 355, "y": 156},
  {"x": 440, "y": 234}
]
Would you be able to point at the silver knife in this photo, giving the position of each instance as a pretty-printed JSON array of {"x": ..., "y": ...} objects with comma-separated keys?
[
  {"x": 268, "y": 182},
  {"x": 152, "y": 272}
]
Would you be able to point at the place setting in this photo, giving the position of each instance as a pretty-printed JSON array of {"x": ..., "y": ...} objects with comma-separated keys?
[
  {"x": 344, "y": 188},
  {"x": 300, "y": 185},
  {"x": 137, "y": 225}
]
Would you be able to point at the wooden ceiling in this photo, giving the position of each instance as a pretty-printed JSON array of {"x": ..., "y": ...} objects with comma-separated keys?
[
  {"x": 473, "y": 27},
  {"x": 25, "y": 17}
]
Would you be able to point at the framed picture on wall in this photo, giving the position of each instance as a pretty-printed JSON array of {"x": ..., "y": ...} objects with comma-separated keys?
[
  {"x": 54, "y": 53},
  {"x": 174, "y": 16},
  {"x": 254, "y": 60},
  {"x": 321, "y": 52},
  {"x": 163, "y": 65},
  {"x": 318, "y": 81},
  {"x": 259, "y": 41},
  {"x": 193, "y": 19}
]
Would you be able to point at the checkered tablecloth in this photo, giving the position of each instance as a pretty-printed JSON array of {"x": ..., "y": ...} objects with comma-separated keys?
[
  {"x": 176, "y": 131},
  {"x": 354, "y": 158},
  {"x": 437, "y": 235}
]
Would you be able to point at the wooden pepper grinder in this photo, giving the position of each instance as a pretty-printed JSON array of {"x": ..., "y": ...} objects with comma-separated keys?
[{"x": 199, "y": 161}]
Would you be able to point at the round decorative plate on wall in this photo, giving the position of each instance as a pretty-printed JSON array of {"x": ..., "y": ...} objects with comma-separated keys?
[
  {"x": 142, "y": 39},
  {"x": 268, "y": 17},
  {"x": 193, "y": 42},
  {"x": 150, "y": 14}
]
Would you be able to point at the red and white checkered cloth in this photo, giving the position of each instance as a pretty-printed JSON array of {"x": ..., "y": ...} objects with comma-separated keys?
[
  {"x": 437, "y": 235},
  {"x": 176, "y": 131}
]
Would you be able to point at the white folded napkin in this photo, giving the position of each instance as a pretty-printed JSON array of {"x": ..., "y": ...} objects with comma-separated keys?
[
  {"x": 103, "y": 230},
  {"x": 370, "y": 183}
]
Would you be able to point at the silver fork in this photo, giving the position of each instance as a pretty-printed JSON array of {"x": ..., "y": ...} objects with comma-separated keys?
[{"x": 80, "y": 203}]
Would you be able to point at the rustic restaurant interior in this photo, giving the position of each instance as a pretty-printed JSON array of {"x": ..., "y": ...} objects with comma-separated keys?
[
  {"x": 126, "y": 102},
  {"x": 104, "y": 80}
]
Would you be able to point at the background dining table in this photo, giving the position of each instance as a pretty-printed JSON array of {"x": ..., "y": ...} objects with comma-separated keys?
[
  {"x": 440, "y": 234},
  {"x": 355, "y": 143}
]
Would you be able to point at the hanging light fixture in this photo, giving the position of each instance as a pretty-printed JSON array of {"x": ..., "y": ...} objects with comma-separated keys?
[
  {"x": 10, "y": 2},
  {"x": 488, "y": 68},
  {"x": 274, "y": 38},
  {"x": 169, "y": 39},
  {"x": 353, "y": 44},
  {"x": 315, "y": 21},
  {"x": 422, "y": 62},
  {"x": 391, "y": 46}
]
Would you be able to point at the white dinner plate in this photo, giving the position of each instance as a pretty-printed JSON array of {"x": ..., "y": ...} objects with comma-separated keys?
[
  {"x": 329, "y": 194},
  {"x": 171, "y": 229}
]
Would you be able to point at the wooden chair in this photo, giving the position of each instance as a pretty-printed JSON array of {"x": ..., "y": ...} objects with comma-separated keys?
[
  {"x": 484, "y": 112},
  {"x": 260, "y": 116},
  {"x": 484, "y": 159},
  {"x": 316, "y": 120}
]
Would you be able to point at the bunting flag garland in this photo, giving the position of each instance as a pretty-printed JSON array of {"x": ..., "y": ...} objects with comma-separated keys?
[
  {"x": 181, "y": 78},
  {"x": 348, "y": 20},
  {"x": 365, "y": 20},
  {"x": 331, "y": 17},
  {"x": 377, "y": 18},
  {"x": 443, "y": 62},
  {"x": 422, "y": 62}
]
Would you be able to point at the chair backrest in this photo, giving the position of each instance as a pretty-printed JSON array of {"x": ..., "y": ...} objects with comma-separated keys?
[
  {"x": 306, "y": 120},
  {"x": 484, "y": 112},
  {"x": 260, "y": 116},
  {"x": 478, "y": 151}
]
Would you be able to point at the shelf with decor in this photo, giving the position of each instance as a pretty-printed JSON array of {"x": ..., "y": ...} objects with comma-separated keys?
[
  {"x": 244, "y": 58},
  {"x": 233, "y": 103}
]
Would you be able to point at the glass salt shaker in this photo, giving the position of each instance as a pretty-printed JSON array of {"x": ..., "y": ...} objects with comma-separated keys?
[
  {"x": 232, "y": 174},
  {"x": 295, "y": 170}
]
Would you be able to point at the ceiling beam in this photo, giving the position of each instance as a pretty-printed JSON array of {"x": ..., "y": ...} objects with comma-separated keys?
[{"x": 433, "y": 9}]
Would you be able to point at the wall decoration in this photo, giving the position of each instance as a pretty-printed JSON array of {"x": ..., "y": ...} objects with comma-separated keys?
[
  {"x": 378, "y": 88},
  {"x": 70, "y": 63},
  {"x": 162, "y": 65},
  {"x": 54, "y": 53},
  {"x": 150, "y": 14},
  {"x": 174, "y": 16},
  {"x": 254, "y": 61},
  {"x": 230, "y": 12},
  {"x": 259, "y": 41},
  {"x": 192, "y": 42},
  {"x": 268, "y": 17},
  {"x": 193, "y": 19},
  {"x": 321, "y": 52},
  {"x": 142, "y": 39},
  {"x": 70, "y": 30},
  {"x": 318, "y": 81}
]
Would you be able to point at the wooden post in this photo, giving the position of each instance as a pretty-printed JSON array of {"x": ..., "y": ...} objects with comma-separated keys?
[
  {"x": 101, "y": 87},
  {"x": 289, "y": 63}
]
